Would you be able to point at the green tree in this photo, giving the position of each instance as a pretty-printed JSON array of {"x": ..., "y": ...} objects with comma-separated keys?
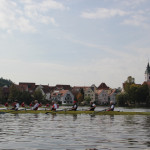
[
  {"x": 80, "y": 97},
  {"x": 1, "y": 96},
  {"x": 143, "y": 93},
  {"x": 38, "y": 95},
  {"x": 14, "y": 93},
  {"x": 5, "y": 82},
  {"x": 122, "y": 99},
  {"x": 25, "y": 97},
  {"x": 133, "y": 93},
  {"x": 128, "y": 83},
  {"x": 87, "y": 100}
]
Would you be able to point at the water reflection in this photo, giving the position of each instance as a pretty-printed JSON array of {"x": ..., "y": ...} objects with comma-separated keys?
[
  {"x": 58, "y": 131},
  {"x": 74, "y": 117},
  {"x": 53, "y": 116},
  {"x": 112, "y": 117}
]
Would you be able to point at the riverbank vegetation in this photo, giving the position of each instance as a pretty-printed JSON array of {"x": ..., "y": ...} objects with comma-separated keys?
[{"x": 134, "y": 94}]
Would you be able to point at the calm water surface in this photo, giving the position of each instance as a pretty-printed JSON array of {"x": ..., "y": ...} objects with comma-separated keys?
[{"x": 74, "y": 132}]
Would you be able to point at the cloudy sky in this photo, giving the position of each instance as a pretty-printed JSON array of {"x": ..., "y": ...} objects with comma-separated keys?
[{"x": 76, "y": 42}]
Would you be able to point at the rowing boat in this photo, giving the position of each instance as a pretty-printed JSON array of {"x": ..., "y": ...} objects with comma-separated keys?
[{"x": 74, "y": 112}]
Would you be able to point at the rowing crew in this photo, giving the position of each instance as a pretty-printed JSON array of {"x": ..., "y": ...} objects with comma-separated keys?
[
  {"x": 55, "y": 106},
  {"x": 93, "y": 106}
]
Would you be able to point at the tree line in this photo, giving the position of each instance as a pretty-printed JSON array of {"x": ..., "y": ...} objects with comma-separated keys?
[
  {"x": 134, "y": 94},
  {"x": 9, "y": 92},
  {"x": 4, "y": 82}
]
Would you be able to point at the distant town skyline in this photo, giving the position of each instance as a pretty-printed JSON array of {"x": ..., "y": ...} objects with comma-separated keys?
[{"x": 75, "y": 42}]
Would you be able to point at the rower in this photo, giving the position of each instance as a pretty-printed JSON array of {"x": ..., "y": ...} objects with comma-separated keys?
[
  {"x": 22, "y": 105},
  {"x": 75, "y": 106},
  {"x": 47, "y": 105},
  {"x": 31, "y": 104},
  {"x": 16, "y": 105},
  {"x": 6, "y": 104},
  {"x": 112, "y": 106},
  {"x": 92, "y": 106},
  {"x": 54, "y": 106},
  {"x": 40, "y": 105},
  {"x": 36, "y": 105}
]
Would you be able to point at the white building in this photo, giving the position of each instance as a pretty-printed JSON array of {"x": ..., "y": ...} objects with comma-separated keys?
[
  {"x": 44, "y": 90},
  {"x": 101, "y": 97},
  {"x": 90, "y": 92},
  {"x": 65, "y": 96},
  {"x": 112, "y": 96}
]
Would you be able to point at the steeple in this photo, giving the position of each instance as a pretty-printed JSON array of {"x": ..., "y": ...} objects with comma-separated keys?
[{"x": 147, "y": 73}]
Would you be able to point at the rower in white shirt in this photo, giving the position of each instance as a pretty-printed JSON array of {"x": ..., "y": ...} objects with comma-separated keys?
[{"x": 36, "y": 105}]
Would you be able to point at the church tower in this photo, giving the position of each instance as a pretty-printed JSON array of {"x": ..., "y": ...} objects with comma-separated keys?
[{"x": 147, "y": 73}]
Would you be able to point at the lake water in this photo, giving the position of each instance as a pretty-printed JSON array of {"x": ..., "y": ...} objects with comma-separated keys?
[{"x": 74, "y": 132}]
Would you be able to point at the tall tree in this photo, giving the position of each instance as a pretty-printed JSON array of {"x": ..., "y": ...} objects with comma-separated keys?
[
  {"x": 80, "y": 97},
  {"x": 26, "y": 97},
  {"x": 130, "y": 80},
  {"x": 5, "y": 82},
  {"x": 14, "y": 93},
  {"x": 122, "y": 99},
  {"x": 1, "y": 96},
  {"x": 38, "y": 95}
]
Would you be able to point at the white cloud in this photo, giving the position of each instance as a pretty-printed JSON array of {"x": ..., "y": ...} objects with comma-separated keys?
[
  {"x": 137, "y": 20},
  {"x": 23, "y": 15},
  {"x": 102, "y": 13},
  {"x": 137, "y": 17},
  {"x": 133, "y": 3},
  {"x": 11, "y": 18},
  {"x": 37, "y": 10}
]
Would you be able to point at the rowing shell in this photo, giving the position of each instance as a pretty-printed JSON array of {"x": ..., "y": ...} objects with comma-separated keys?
[{"x": 74, "y": 112}]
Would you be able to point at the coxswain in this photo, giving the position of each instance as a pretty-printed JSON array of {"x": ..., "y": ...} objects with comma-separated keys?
[
  {"x": 54, "y": 106},
  {"x": 92, "y": 106},
  {"x": 36, "y": 105},
  {"x": 75, "y": 106},
  {"x": 112, "y": 106}
]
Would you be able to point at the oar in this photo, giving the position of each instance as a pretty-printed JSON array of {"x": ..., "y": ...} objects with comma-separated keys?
[
  {"x": 12, "y": 110},
  {"x": 95, "y": 112},
  {"x": 56, "y": 110}
]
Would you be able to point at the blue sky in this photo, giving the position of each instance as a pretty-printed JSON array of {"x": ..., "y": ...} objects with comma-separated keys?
[{"x": 76, "y": 42}]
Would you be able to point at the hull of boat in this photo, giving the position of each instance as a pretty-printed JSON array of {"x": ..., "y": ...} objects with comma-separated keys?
[{"x": 74, "y": 112}]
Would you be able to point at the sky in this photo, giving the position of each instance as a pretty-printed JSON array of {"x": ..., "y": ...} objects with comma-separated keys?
[{"x": 75, "y": 42}]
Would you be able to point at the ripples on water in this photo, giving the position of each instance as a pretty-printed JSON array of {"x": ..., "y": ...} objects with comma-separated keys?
[{"x": 74, "y": 132}]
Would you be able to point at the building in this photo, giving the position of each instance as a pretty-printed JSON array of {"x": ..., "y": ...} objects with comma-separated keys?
[
  {"x": 62, "y": 87},
  {"x": 147, "y": 73},
  {"x": 45, "y": 90},
  {"x": 28, "y": 87},
  {"x": 101, "y": 97},
  {"x": 89, "y": 92},
  {"x": 63, "y": 96},
  {"x": 103, "y": 86},
  {"x": 112, "y": 95}
]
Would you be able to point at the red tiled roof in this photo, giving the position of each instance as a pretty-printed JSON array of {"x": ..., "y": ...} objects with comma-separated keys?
[
  {"x": 61, "y": 92},
  {"x": 148, "y": 83},
  {"x": 30, "y": 86},
  {"x": 103, "y": 86},
  {"x": 64, "y": 87},
  {"x": 113, "y": 91},
  {"x": 98, "y": 91}
]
